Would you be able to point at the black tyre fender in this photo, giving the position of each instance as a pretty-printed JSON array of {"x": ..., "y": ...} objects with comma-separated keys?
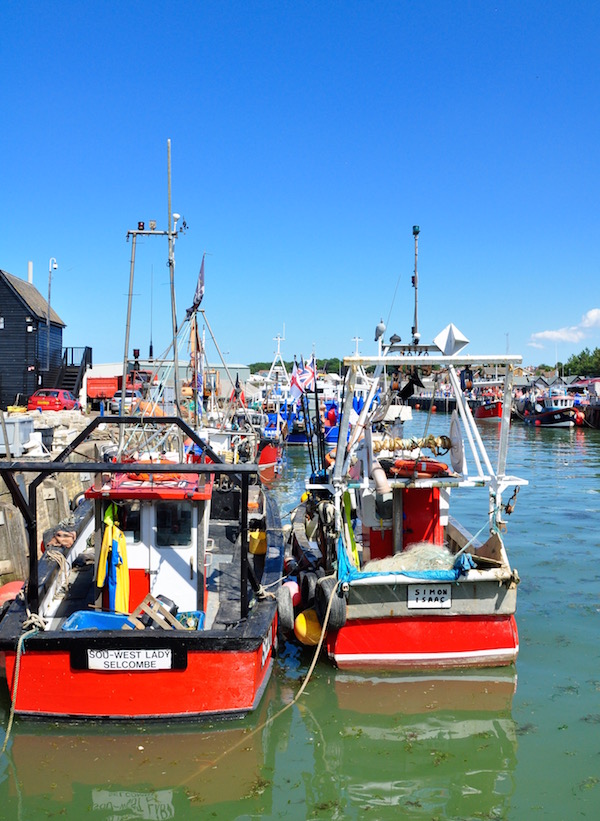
[
  {"x": 285, "y": 609},
  {"x": 308, "y": 585},
  {"x": 326, "y": 588}
]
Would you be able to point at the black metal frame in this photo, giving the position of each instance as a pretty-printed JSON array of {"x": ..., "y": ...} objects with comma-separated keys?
[{"x": 239, "y": 473}]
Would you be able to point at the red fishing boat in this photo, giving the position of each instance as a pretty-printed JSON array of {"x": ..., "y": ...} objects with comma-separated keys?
[
  {"x": 387, "y": 578},
  {"x": 489, "y": 409},
  {"x": 159, "y": 608}
]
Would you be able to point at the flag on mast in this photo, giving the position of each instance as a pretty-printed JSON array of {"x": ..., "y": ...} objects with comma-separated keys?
[
  {"x": 199, "y": 290},
  {"x": 295, "y": 387},
  {"x": 303, "y": 378}
]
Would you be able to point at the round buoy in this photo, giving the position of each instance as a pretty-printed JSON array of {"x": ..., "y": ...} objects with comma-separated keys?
[
  {"x": 294, "y": 592},
  {"x": 307, "y": 628},
  {"x": 326, "y": 588},
  {"x": 433, "y": 409},
  {"x": 417, "y": 406}
]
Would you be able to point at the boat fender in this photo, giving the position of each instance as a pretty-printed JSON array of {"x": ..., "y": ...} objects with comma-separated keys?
[
  {"x": 10, "y": 591},
  {"x": 307, "y": 628},
  {"x": 294, "y": 589},
  {"x": 308, "y": 585},
  {"x": 326, "y": 588},
  {"x": 285, "y": 609}
]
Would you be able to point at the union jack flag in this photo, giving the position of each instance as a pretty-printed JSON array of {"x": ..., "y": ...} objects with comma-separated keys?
[{"x": 303, "y": 378}]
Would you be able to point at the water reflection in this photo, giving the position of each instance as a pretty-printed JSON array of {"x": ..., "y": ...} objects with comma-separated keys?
[
  {"x": 429, "y": 745},
  {"x": 438, "y": 745}
]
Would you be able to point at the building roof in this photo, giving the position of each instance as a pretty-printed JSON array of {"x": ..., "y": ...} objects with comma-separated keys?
[{"x": 32, "y": 298}]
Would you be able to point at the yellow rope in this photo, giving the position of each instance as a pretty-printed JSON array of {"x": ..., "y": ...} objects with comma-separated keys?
[{"x": 13, "y": 699}]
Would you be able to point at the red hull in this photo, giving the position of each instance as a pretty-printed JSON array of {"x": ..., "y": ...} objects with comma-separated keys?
[
  {"x": 427, "y": 642},
  {"x": 214, "y": 683},
  {"x": 491, "y": 410}
]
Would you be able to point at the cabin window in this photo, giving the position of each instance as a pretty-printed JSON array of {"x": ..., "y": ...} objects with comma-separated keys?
[
  {"x": 173, "y": 524},
  {"x": 130, "y": 521}
]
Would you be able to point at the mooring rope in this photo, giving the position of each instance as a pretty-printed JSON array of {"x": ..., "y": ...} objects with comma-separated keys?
[
  {"x": 13, "y": 698},
  {"x": 284, "y": 709}
]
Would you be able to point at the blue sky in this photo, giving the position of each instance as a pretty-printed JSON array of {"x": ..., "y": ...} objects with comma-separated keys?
[{"x": 307, "y": 139}]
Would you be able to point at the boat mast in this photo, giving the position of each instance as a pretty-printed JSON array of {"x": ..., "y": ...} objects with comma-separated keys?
[
  {"x": 415, "y": 282},
  {"x": 172, "y": 235}
]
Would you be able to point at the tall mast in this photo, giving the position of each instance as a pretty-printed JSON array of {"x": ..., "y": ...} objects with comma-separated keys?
[
  {"x": 171, "y": 235},
  {"x": 415, "y": 282}
]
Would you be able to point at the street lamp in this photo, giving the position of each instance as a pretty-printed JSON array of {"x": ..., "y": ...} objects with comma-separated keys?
[{"x": 52, "y": 266}]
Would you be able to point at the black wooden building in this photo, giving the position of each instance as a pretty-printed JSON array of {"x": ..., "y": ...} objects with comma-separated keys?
[{"x": 25, "y": 357}]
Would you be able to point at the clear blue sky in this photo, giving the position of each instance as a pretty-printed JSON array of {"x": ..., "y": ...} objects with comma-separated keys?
[{"x": 307, "y": 139}]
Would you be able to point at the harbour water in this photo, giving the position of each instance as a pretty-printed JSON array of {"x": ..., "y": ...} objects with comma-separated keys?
[{"x": 520, "y": 743}]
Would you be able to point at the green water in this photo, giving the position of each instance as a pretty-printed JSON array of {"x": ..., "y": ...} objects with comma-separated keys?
[{"x": 521, "y": 743}]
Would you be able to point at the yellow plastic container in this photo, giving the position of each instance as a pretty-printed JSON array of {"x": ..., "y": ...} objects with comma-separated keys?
[{"x": 258, "y": 542}]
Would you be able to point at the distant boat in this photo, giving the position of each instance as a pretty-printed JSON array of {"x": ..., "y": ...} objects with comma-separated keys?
[
  {"x": 553, "y": 409},
  {"x": 489, "y": 409}
]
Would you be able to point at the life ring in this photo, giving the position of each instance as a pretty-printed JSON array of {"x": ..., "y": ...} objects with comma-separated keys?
[
  {"x": 423, "y": 468},
  {"x": 330, "y": 457}
]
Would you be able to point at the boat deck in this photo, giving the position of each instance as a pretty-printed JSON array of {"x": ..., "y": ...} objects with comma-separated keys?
[{"x": 223, "y": 581}]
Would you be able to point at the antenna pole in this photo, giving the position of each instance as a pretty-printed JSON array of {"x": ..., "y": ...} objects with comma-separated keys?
[{"x": 415, "y": 282}]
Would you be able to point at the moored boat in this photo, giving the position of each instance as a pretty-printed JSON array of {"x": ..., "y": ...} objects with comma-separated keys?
[
  {"x": 489, "y": 409},
  {"x": 384, "y": 570},
  {"x": 167, "y": 614},
  {"x": 163, "y": 605},
  {"x": 552, "y": 409},
  {"x": 386, "y": 577}
]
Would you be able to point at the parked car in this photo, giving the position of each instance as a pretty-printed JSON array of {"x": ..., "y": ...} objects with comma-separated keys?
[
  {"x": 52, "y": 399},
  {"x": 130, "y": 399}
]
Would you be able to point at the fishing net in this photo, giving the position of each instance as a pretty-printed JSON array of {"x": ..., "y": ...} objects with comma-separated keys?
[{"x": 419, "y": 556}]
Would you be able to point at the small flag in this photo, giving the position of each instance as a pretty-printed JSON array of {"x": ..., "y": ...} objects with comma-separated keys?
[
  {"x": 295, "y": 387},
  {"x": 199, "y": 290},
  {"x": 303, "y": 379}
]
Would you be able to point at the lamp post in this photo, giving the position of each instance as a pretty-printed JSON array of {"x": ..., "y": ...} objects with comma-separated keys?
[{"x": 52, "y": 266}]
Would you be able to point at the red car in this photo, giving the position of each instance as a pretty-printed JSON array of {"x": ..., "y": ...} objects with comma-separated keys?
[{"x": 52, "y": 399}]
